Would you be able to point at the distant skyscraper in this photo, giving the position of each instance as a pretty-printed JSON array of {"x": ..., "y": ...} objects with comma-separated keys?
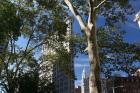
[
  {"x": 84, "y": 82},
  {"x": 63, "y": 83}
]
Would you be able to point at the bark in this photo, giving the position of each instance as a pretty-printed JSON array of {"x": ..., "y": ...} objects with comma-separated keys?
[{"x": 93, "y": 60}]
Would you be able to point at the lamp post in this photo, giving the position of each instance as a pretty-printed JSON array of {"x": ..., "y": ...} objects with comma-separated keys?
[{"x": 113, "y": 88}]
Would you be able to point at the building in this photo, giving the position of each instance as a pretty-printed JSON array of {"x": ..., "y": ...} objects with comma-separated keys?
[
  {"x": 78, "y": 89},
  {"x": 62, "y": 82},
  {"x": 84, "y": 82},
  {"x": 103, "y": 86},
  {"x": 115, "y": 84},
  {"x": 123, "y": 85}
]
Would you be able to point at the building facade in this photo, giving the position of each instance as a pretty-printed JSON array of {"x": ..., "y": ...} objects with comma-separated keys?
[
  {"x": 63, "y": 83},
  {"x": 78, "y": 89},
  {"x": 114, "y": 84},
  {"x": 122, "y": 85}
]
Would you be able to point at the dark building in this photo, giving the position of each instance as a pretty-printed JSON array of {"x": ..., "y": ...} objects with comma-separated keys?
[
  {"x": 78, "y": 89},
  {"x": 123, "y": 85}
]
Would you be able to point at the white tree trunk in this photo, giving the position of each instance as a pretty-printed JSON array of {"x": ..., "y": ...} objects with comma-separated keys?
[
  {"x": 93, "y": 60},
  {"x": 92, "y": 46},
  {"x": 137, "y": 18}
]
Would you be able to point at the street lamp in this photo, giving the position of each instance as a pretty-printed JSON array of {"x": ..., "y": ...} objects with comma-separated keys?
[{"x": 113, "y": 88}]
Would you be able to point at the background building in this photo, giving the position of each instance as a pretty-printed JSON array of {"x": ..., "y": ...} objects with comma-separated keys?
[
  {"x": 63, "y": 83},
  {"x": 123, "y": 85},
  {"x": 78, "y": 89},
  {"x": 84, "y": 82}
]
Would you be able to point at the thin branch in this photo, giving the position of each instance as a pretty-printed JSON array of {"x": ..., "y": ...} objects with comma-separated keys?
[
  {"x": 100, "y": 4},
  {"x": 27, "y": 53},
  {"x": 24, "y": 55},
  {"x": 76, "y": 14},
  {"x": 11, "y": 49},
  {"x": 29, "y": 40},
  {"x": 10, "y": 55}
]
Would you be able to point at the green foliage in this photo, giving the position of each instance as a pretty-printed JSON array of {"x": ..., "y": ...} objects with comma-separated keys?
[
  {"x": 49, "y": 4},
  {"x": 10, "y": 21},
  {"x": 28, "y": 83},
  {"x": 41, "y": 24},
  {"x": 115, "y": 53},
  {"x": 26, "y": 79},
  {"x": 116, "y": 11},
  {"x": 37, "y": 27},
  {"x": 113, "y": 10},
  {"x": 62, "y": 59},
  {"x": 111, "y": 42},
  {"x": 48, "y": 89}
]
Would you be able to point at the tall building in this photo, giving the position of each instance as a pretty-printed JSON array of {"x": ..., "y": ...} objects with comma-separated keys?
[
  {"x": 84, "y": 82},
  {"x": 63, "y": 83},
  {"x": 78, "y": 89}
]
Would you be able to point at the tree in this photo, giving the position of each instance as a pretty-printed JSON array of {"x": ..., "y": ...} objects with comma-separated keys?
[
  {"x": 19, "y": 69},
  {"x": 115, "y": 53},
  {"x": 43, "y": 21},
  {"x": 18, "y": 64},
  {"x": 90, "y": 31},
  {"x": 137, "y": 18},
  {"x": 10, "y": 21}
]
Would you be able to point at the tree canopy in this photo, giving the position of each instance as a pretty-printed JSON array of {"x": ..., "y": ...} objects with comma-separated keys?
[{"x": 40, "y": 21}]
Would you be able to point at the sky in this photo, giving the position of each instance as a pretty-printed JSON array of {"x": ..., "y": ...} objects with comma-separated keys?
[{"x": 132, "y": 35}]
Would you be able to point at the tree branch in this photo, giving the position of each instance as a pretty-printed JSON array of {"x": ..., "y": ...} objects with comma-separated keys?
[
  {"x": 76, "y": 14},
  {"x": 90, "y": 17},
  {"x": 100, "y": 4},
  {"x": 25, "y": 54}
]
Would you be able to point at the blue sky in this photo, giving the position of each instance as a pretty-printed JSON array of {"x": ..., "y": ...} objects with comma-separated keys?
[{"x": 132, "y": 35}]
